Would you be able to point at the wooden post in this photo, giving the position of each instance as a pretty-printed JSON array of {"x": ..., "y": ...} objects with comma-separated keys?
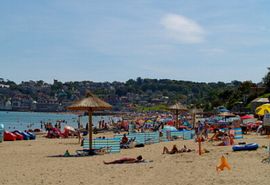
[
  {"x": 193, "y": 119},
  {"x": 79, "y": 128},
  {"x": 90, "y": 130},
  {"x": 200, "y": 145},
  {"x": 176, "y": 120}
]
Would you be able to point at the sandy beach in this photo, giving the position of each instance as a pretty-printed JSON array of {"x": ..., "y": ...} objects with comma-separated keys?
[{"x": 31, "y": 162}]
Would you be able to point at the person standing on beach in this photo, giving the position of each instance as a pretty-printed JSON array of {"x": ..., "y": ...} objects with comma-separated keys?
[
  {"x": 99, "y": 124},
  {"x": 206, "y": 130},
  {"x": 86, "y": 127}
]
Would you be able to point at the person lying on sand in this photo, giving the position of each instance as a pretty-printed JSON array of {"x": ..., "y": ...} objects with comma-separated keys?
[
  {"x": 175, "y": 150},
  {"x": 185, "y": 149},
  {"x": 126, "y": 160}
]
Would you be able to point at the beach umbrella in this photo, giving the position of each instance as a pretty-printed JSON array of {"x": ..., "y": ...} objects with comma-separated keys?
[
  {"x": 263, "y": 109},
  {"x": 247, "y": 117},
  {"x": 169, "y": 128},
  {"x": 226, "y": 114},
  {"x": 90, "y": 104},
  {"x": 69, "y": 128},
  {"x": 171, "y": 123},
  {"x": 177, "y": 109}
]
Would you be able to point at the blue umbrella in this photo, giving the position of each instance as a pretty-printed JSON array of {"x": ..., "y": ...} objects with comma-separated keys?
[{"x": 169, "y": 128}]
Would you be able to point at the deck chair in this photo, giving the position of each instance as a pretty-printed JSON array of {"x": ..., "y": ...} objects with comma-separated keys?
[
  {"x": 100, "y": 151},
  {"x": 129, "y": 144}
]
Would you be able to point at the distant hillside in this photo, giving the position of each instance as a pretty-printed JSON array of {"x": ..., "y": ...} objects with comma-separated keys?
[{"x": 36, "y": 95}]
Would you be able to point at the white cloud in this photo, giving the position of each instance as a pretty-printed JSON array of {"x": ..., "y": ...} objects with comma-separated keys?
[{"x": 182, "y": 29}]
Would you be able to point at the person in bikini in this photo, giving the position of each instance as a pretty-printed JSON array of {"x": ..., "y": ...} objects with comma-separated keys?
[
  {"x": 126, "y": 160},
  {"x": 175, "y": 150}
]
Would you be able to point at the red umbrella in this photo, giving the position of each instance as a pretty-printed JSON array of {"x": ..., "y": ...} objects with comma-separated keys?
[
  {"x": 171, "y": 123},
  {"x": 247, "y": 117}
]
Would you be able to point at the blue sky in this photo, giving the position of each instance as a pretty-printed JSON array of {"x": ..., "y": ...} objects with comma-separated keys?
[{"x": 104, "y": 40}]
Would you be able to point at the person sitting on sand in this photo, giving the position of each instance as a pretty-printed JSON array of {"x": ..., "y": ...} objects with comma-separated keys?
[
  {"x": 225, "y": 141},
  {"x": 124, "y": 139},
  {"x": 175, "y": 150},
  {"x": 217, "y": 135},
  {"x": 126, "y": 160}
]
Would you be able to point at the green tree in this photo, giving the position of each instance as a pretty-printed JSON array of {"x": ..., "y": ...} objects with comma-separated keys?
[{"x": 266, "y": 80}]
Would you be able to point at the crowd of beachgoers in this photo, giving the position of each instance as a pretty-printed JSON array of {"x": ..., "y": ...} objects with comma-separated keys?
[
  {"x": 159, "y": 142},
  {"x": 148, "y": 122}
]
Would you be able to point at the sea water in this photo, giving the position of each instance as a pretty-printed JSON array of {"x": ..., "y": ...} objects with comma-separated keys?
[{"x": 32, "y": 120}]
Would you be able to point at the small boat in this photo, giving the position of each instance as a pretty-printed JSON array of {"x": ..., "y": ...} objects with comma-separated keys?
[
  {"x": 8, "y": 136},
  {"x": 249, "y": 146},
  {"x": 18, "y": 136}
]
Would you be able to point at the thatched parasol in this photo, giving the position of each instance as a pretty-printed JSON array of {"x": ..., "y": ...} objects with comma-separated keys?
[
  {"x": 226, "y": 114},
  {"x": 177, "y": 108},
  {"x": 91, "y": 103}
]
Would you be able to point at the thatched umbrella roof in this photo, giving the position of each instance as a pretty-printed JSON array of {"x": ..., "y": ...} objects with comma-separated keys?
[
  {"x": 177, "y": 108},
  {"x": 196, "y": 110},
  {"x": 91, "y": 103},
  {"x": 226, "y": 114}
]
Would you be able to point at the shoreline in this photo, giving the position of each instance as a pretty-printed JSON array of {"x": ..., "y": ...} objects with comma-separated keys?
[{"x": 71, "y": 112}]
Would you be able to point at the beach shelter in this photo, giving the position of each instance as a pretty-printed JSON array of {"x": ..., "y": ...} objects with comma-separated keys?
[
  {"x": 177, "y": 109},
  {"x": 90, "y": 104},
  {"x": 263, "y": 109}
]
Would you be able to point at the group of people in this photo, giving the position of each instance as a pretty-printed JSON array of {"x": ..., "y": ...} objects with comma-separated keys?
[
  {"x": 48, "y": 125},
  {"x": 139, "y": 159},
  {"x": 227, "y": 138},
  {"x": 103, "y": 125},
  {"x": 202, "y": 130}
]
